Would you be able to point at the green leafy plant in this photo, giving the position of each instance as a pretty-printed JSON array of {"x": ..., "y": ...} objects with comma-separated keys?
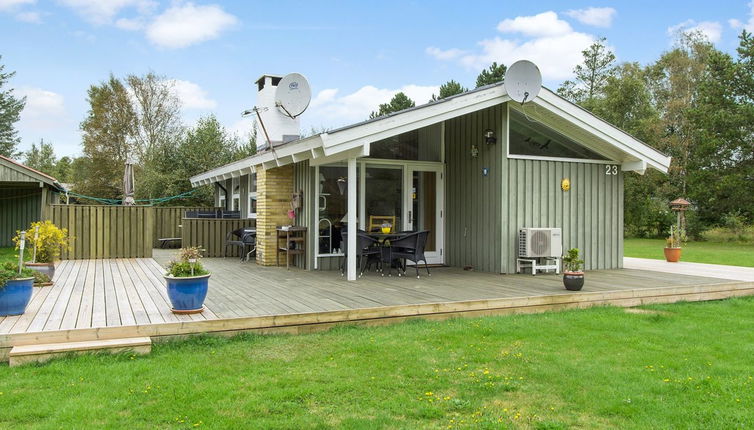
[
  {"x": 40, "y": 278},
  {"x": 9, "y": 271},
  {"x": 572, "y": 262},
  {"x": 186, "y": 263},
  {"x": 50, "y": 241}
]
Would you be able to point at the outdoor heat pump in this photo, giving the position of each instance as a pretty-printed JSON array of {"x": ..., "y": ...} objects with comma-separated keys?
[{"x": 540, "y": 242}]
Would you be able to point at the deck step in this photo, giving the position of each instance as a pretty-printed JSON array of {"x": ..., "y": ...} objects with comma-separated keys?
[{"x": 43, "y": 352}]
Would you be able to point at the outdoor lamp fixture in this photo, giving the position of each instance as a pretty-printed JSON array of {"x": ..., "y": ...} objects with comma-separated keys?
[
  {"x": 342, "y": 185},
  {"x": 21, "y": 246},
  {"x": 474, "y": 151},
  {"x": 489, "y": 137}
]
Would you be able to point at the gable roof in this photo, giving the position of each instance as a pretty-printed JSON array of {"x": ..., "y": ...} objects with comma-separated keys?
[
  {"x": 354, "y": 140},
  {"x": 13, "y": 171}
]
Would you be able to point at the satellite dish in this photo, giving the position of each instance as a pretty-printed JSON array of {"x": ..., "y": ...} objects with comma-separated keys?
[
  {"x": 293, "y": 94},
  {"x": 523, "y": 81}
]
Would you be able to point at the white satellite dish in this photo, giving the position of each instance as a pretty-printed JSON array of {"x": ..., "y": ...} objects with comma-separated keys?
[
  {"x": 293, "y": 94},
  {"x": 523, "y": 81}
]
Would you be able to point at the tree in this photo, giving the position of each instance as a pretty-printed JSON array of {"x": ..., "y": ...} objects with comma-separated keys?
[
  {"x": 108, "y": 140},
  {"x": 721, "y": 159},
  {"x": 448, "y": 89},
  {"x": 493, "y": 74},
  {"x": 591, "y": 76},
  {"x": 399, "y": 102},
  {"x": 64, "y": 169},
  {"x": 41, "y": 158},
  {"x": 10, "y": 112}
]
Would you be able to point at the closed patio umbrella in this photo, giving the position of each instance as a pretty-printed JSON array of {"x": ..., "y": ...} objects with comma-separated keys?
[{"x": 128, "y": 185}]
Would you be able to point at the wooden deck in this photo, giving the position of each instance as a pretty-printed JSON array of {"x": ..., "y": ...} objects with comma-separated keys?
[{"x": 105, "y": 299}]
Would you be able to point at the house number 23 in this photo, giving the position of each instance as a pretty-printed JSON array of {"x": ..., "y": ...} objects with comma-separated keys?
[{"x": 611, "y": 169}]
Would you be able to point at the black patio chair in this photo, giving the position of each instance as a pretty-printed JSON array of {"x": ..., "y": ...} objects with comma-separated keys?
[
  {"x": 240, "y": 238},
  {"x": 410, "y": 247},
  {"x": 369, "y": 250}
]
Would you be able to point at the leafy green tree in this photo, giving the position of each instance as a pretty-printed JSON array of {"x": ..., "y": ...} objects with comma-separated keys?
[
  {"x": 10, "y": 112},
  {"x": 450, "y": 88},
  {"x": 108, "y": 131},
  {"x": 41, "y": 158},
  {"x": 493, "y": 74},
  {"x": 721, "y": 159},
  {"x": 591, "y": 76},
  {"x": 399, "y": 102},
  {"x": 64, "y": 169}
]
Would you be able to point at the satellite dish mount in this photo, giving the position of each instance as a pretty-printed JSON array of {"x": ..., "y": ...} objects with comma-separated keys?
[{"x": 523, "y": 81}]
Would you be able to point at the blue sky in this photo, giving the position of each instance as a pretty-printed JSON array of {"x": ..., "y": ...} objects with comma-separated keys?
[{"x": 355, "y": 54}]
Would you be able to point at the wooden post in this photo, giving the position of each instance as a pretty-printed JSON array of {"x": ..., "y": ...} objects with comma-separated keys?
[
  {"x": 243, "y": 196},
  {"x": 351, "y": 257}
]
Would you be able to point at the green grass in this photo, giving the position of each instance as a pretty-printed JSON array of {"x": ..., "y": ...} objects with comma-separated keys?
[
  {"x": 730, "y": 253},
  {"x": 8, "y": 254},
  {"x": 687, "y": 367}
]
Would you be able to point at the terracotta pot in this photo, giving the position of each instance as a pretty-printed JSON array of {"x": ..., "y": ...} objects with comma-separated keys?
[
  {"x": 673, "y": 255},
  {"x": 46, "y": 268},
  {"x": 573, "y": 281}
]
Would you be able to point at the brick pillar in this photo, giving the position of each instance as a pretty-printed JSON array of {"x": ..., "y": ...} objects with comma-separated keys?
[{"x": 274, "y": 189}]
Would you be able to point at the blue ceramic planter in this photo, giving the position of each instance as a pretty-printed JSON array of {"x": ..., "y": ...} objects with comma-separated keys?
[
  {"x": 187, "y": 294},
  {"x": 15, "y": 296}
]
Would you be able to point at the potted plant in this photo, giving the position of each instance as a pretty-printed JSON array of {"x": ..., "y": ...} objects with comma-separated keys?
[
  {"x": 673, "y": 244},
  {"x": 573, "y": 276},
  {"x": 16, "y": 287},
  {"x": 45, "y": 241},
  {"x": 187, "y": 281}
]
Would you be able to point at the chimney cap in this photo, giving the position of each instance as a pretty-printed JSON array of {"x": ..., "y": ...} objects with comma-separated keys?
[{"x": 261, "y": 78}]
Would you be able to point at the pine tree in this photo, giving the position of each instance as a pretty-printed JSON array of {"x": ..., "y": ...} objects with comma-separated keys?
[
  {"x": 450, "y": 88},
  {"x": 493, "y": 74},
  {"x": 591, "y": 76},
  {"x": 10, "y": 112},
  {"x": 399, "y": 102}
]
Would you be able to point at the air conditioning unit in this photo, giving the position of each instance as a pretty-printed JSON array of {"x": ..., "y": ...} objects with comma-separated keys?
[{"x": 540, "y": 242}]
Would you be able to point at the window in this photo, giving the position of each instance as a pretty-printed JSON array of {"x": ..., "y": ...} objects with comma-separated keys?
[
  {"x": 418, "y": 145},
  {"x": 528, "y": 137},
  {"x": 252, "y": 195},
  {"x": 332, "y": 208}
]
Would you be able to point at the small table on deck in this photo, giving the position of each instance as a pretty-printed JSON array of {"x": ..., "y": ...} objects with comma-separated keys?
[
  {"x": 292, "y": 234},
  {"x": 386, "y": 255}
]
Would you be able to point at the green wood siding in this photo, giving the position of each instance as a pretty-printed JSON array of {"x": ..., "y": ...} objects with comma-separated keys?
[
  {"x": 590, "y": 214},
  {"x": 18, "y": 208},
  {"x": 474, "y": 202}
]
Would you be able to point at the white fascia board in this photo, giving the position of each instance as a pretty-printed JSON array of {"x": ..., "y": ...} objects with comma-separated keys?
[
  {"x": 412, "y": 120},
  {"x": 282, "y": 156},
  {"x": 356, "y": 152},
  {"x": 610, "y": 134},
  {"x": 639, "y": 166}
]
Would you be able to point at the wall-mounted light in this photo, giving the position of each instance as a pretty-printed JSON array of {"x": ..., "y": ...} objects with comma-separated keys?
[
  {"x": 489, "y": 137},
  {"x": 474, "y": 151}
]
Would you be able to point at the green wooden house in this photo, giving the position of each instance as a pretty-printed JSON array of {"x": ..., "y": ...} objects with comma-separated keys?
[
  {"x": 473, "y": 169},
  {"x": 25, "y": 196}
]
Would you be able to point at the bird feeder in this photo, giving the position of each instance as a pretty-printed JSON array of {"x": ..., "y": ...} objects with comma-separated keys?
[{"x": 680, "y": 206}]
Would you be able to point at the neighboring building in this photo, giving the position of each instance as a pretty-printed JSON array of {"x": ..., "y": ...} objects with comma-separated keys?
[
  {"x": 25, "y": 196},
  {"x": 473, "y": 169}
]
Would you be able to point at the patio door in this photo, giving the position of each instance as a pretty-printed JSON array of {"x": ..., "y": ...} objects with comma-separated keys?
[{"x": 424, "y": 207}]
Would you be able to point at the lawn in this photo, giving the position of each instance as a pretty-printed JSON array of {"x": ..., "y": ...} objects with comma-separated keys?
[
  {"x": 730, "y": 253},
  {"x": 8, "y": 254},
  {"x": 686, "y": 367}
]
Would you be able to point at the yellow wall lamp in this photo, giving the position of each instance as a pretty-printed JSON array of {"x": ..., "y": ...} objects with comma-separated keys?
[{"x": 565, "y": 184}]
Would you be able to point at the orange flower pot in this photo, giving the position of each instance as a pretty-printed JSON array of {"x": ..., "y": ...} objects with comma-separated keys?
[{"x": 673, "y": 255}]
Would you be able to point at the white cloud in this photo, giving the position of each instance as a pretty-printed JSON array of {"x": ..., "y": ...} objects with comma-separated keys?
[
  {"x": 6, "y": 5},
  {"x": 594, "y": 16},
  {"x": 31, "y": 17},
  {"x": 44, "y": 115},
  {"x": 186, "y": 24},
  {"x": 103, "y": 11},
  {"x": 712, "y": 30},
  {"x": 550, "y": 42},
  {"x": 735, "y": 23},
  {"x": 749, "y": 25},
  {"x": 445, "y": 54},
  {"x": 192, "y": 95},
  {"x": 543, "y": 24},
  {"x": 130, "y": 24},
  {"x": 329, "y": 110}
]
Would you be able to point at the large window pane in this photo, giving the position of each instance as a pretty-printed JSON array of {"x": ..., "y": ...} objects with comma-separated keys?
[
  {"x": 528, "y": 137},
  {"x": 332, "y": 207},
  {"x": 383, "y": 197},
  {"x": 422, "y": 145}
]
